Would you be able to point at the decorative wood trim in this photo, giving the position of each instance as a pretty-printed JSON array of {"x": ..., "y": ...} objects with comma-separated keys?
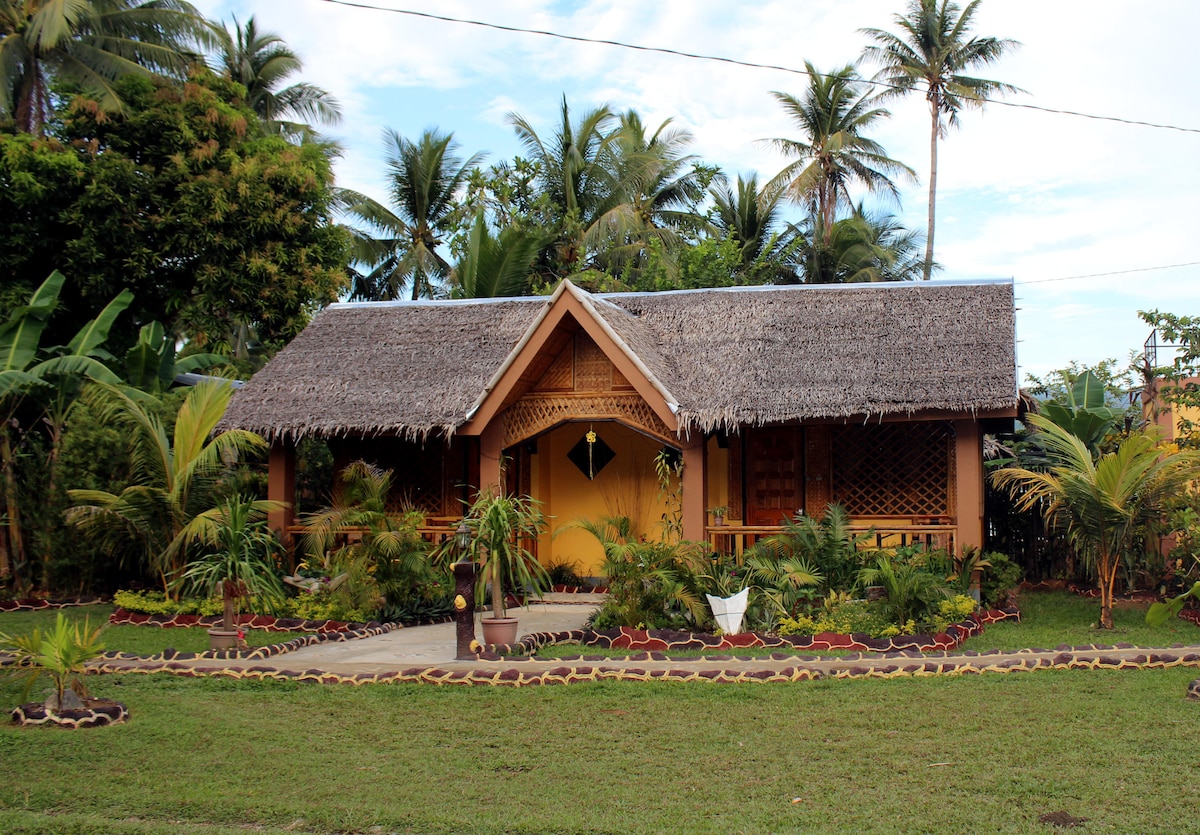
[{"x": 534, "y": 414}]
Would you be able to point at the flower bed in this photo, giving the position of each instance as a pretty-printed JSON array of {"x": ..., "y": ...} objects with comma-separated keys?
[{"x": 666, "y": 640}]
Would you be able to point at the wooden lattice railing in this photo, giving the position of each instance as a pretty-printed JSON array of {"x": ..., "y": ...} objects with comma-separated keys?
[{"x": 735, "y": 539}]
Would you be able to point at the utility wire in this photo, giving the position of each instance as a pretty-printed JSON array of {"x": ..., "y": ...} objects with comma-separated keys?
[
  {"x": 1115, "y": 272},
  {"x": 750, "y": 64}
]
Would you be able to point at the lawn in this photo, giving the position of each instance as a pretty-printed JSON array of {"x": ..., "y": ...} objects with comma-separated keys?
[
  {"x": 138, "y": 640},
  {"x": 963, "y": 754},
  {"x": 1052, "y": 618},
  {"x": 960, "y": 754}
]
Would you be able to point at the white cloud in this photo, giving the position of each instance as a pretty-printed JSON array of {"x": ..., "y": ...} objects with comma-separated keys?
[{"x": 1021, "y": 193}]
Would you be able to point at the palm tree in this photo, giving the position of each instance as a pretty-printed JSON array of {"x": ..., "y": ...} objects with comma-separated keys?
[
  {"x": 175, "y": 475},
  {"x": 865, "y": 246},
  {"x": 495, "y": 266},
  {"x": 1105, "y": 504},
  {"x": 426, "y": 176},
  {"x": 261, "y": 62},
  {"x": 577, "y": 173},
  {"x": 657, "y": 187},
  {"x": 751, "y": 218},
  {"x": 833, "y": 152},
  {"x": 933, "y": 52},
  {"x": 88, "y": 45}
]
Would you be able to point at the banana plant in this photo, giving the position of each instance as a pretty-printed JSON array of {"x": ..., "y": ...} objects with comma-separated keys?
[
  {"x": 152, "y": 364},
  {"x": 51, "y": 378}
]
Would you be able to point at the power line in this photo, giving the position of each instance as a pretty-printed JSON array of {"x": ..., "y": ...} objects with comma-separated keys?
[
  {"x": 1115, "y": 272},
  {"x": 750, "y": 64}
]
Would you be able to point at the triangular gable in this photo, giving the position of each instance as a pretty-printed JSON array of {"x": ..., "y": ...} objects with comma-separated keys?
[{"x": 540, "y": 346}]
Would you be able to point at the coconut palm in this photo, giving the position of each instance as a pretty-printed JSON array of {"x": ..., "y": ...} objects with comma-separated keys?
[
  {"x": 577, "y": 176},
  {"x": 750, "y": 216},
  {"x": 865, "y": 246},
  {"x": 426, "y": 176},
  {"x": 656, "y": 186},
  {"x": 495, "y": 266},
  {"x": 1104, "y": 504},
  {"x": 833, "y": 152},
  {"x": 261, "y": 62},
  {"x": 175, "y": 475},
  {"x": 88, "y": 45},
  {"x": 934, "y": 52}
]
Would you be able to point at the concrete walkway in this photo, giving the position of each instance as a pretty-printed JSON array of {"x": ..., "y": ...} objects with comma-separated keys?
[
  {"x": 427, "y": 654},
  {"x": 429, "y": 646}
]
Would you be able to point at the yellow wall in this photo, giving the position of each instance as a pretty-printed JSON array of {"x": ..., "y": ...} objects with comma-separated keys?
[
  {"x": 718, "y": 478},
  {"x": 626, "y": 487}
]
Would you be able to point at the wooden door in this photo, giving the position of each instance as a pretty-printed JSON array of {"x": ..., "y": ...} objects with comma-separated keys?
[{"x": 774, "y": 475}]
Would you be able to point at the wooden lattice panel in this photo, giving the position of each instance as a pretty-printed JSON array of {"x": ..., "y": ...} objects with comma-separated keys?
[
  {"x": 593, "y": 370},
  {"x": 893, "y": 469},
  {"x": 537, "y": 413},
  {"x": 560, "y": 375}
]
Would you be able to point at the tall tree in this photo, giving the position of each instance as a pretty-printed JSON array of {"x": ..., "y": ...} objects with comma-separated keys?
[
  {"x": 426, "y": 177},
  {"x": 494, "y": 266},
  {"x": 833, "y": 151},
  {"x": 88, "y": 45},
  {"x": 577, "y": 174},
  {"x": 180, "y": 199},
  {"x": 1105, "y": 504},
  {"x": 934, "y": 52},
  {"x": 864, "y": 246},
  {"x": 261, "y": 62}
]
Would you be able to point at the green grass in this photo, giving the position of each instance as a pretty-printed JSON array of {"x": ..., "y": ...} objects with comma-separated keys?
[
  {"x": 972, "y": 754},
  {"x": 138, "y": 640},
  {"x": 1049, "y": 619},
  {"x": 955, "y": 754}
]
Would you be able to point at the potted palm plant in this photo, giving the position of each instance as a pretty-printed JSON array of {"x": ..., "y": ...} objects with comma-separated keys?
[
  {"x": 237, "y": 560},
  {"x": 501, "y": 526}
]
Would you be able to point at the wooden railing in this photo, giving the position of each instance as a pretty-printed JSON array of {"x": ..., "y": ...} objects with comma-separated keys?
[
  {"x": 735, "y": 539},
  {"x": 436, "y": 530}
]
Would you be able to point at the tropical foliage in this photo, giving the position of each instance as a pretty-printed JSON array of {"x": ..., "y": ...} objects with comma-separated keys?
[
  {"x": 176, "y": 478},
  {"x": 1107, "y": 504},
  {"x": 86, "y": 47},
  {"x": 59, "y": 653}
]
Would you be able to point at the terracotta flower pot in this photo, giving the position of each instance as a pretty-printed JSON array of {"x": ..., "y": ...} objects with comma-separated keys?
[
  {"x": 499, "y": 630},
  {"x": 222, "y": 638}
]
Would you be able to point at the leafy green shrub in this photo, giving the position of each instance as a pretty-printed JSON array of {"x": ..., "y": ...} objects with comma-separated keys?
[
  {"x": 321, "y": 606},
  {"x": 156, "y": 603},
  {"x": 952, "y": 610},
  {"x": 844, "y": 618},
  {"x": 999, "y": 578}
]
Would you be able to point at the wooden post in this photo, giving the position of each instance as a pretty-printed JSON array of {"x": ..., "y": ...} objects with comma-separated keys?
[
  {"x": 281, "y": 487},
  {"x": 491, "y": 454},
  {"x": 464, "y": 608},
  {"x": 968, "y": 482},
  {"x": 694, "y": 487}
]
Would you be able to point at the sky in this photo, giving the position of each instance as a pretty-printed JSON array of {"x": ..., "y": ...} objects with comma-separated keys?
[{"x": 1079, "y": 212}]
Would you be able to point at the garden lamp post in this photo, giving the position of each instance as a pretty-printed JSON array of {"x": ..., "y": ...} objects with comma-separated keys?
[{"x": 464, "y": 594}]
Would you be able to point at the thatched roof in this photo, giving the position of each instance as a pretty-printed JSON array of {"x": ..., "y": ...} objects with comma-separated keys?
[{"x": 724, "y": 358}]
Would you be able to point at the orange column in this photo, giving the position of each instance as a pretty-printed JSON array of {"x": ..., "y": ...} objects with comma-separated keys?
[
  {"x": 695, "y": 494},
  {"x": 281, "y": 487},
  {"x": 491, "y": 454},
  {"x": 968, "y": 482}
]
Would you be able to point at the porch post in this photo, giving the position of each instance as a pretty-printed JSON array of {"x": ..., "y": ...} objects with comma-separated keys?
[
  {"x": 968, "y": 482},
  {"x": 694, "y": 486},
  {"x": 491, "y": 453},
  {"x": 281, "y": 487}
]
